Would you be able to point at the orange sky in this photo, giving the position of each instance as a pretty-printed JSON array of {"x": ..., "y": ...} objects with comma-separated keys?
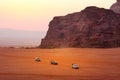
[{"x": 35, "y": 14}]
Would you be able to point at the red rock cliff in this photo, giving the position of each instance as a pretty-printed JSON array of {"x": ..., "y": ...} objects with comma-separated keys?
[{"x": 92, "y": 27}]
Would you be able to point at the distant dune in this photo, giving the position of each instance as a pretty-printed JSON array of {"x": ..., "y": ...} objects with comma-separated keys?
[
  {"x": 95, "y": 64},
  {"x": 11, "y": 37}
]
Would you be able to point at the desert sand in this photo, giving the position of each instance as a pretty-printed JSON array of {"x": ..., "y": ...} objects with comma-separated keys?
[{"x": 95, "y": 64}]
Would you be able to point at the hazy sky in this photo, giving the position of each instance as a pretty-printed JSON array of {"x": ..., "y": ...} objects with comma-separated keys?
[{"x": 36, "y": 14}]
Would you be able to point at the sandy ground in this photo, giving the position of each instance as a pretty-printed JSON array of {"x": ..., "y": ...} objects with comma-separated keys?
[{"x": 95, "y": 64}]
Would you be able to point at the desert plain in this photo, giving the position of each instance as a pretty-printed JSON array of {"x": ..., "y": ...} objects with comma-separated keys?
[{"x": 95, "y": 64}]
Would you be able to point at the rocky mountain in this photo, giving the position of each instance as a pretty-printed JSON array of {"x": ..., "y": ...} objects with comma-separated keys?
[
  {"x": 116, "y": 7},
  {"x": 93, "y": 27}
]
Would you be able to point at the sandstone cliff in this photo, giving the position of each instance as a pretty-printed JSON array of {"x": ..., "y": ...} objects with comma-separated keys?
[{"x": 92, "y": 27}]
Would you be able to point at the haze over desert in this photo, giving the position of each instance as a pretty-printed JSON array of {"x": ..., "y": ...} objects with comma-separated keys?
[{"x": 95, "y": 64}]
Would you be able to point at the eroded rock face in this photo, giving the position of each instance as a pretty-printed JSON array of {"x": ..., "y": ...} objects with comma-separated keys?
[
  {"x": 118, "y": 0},
  {"x": 91, "y": 28},
  {"x": 116, "y": 7}
]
